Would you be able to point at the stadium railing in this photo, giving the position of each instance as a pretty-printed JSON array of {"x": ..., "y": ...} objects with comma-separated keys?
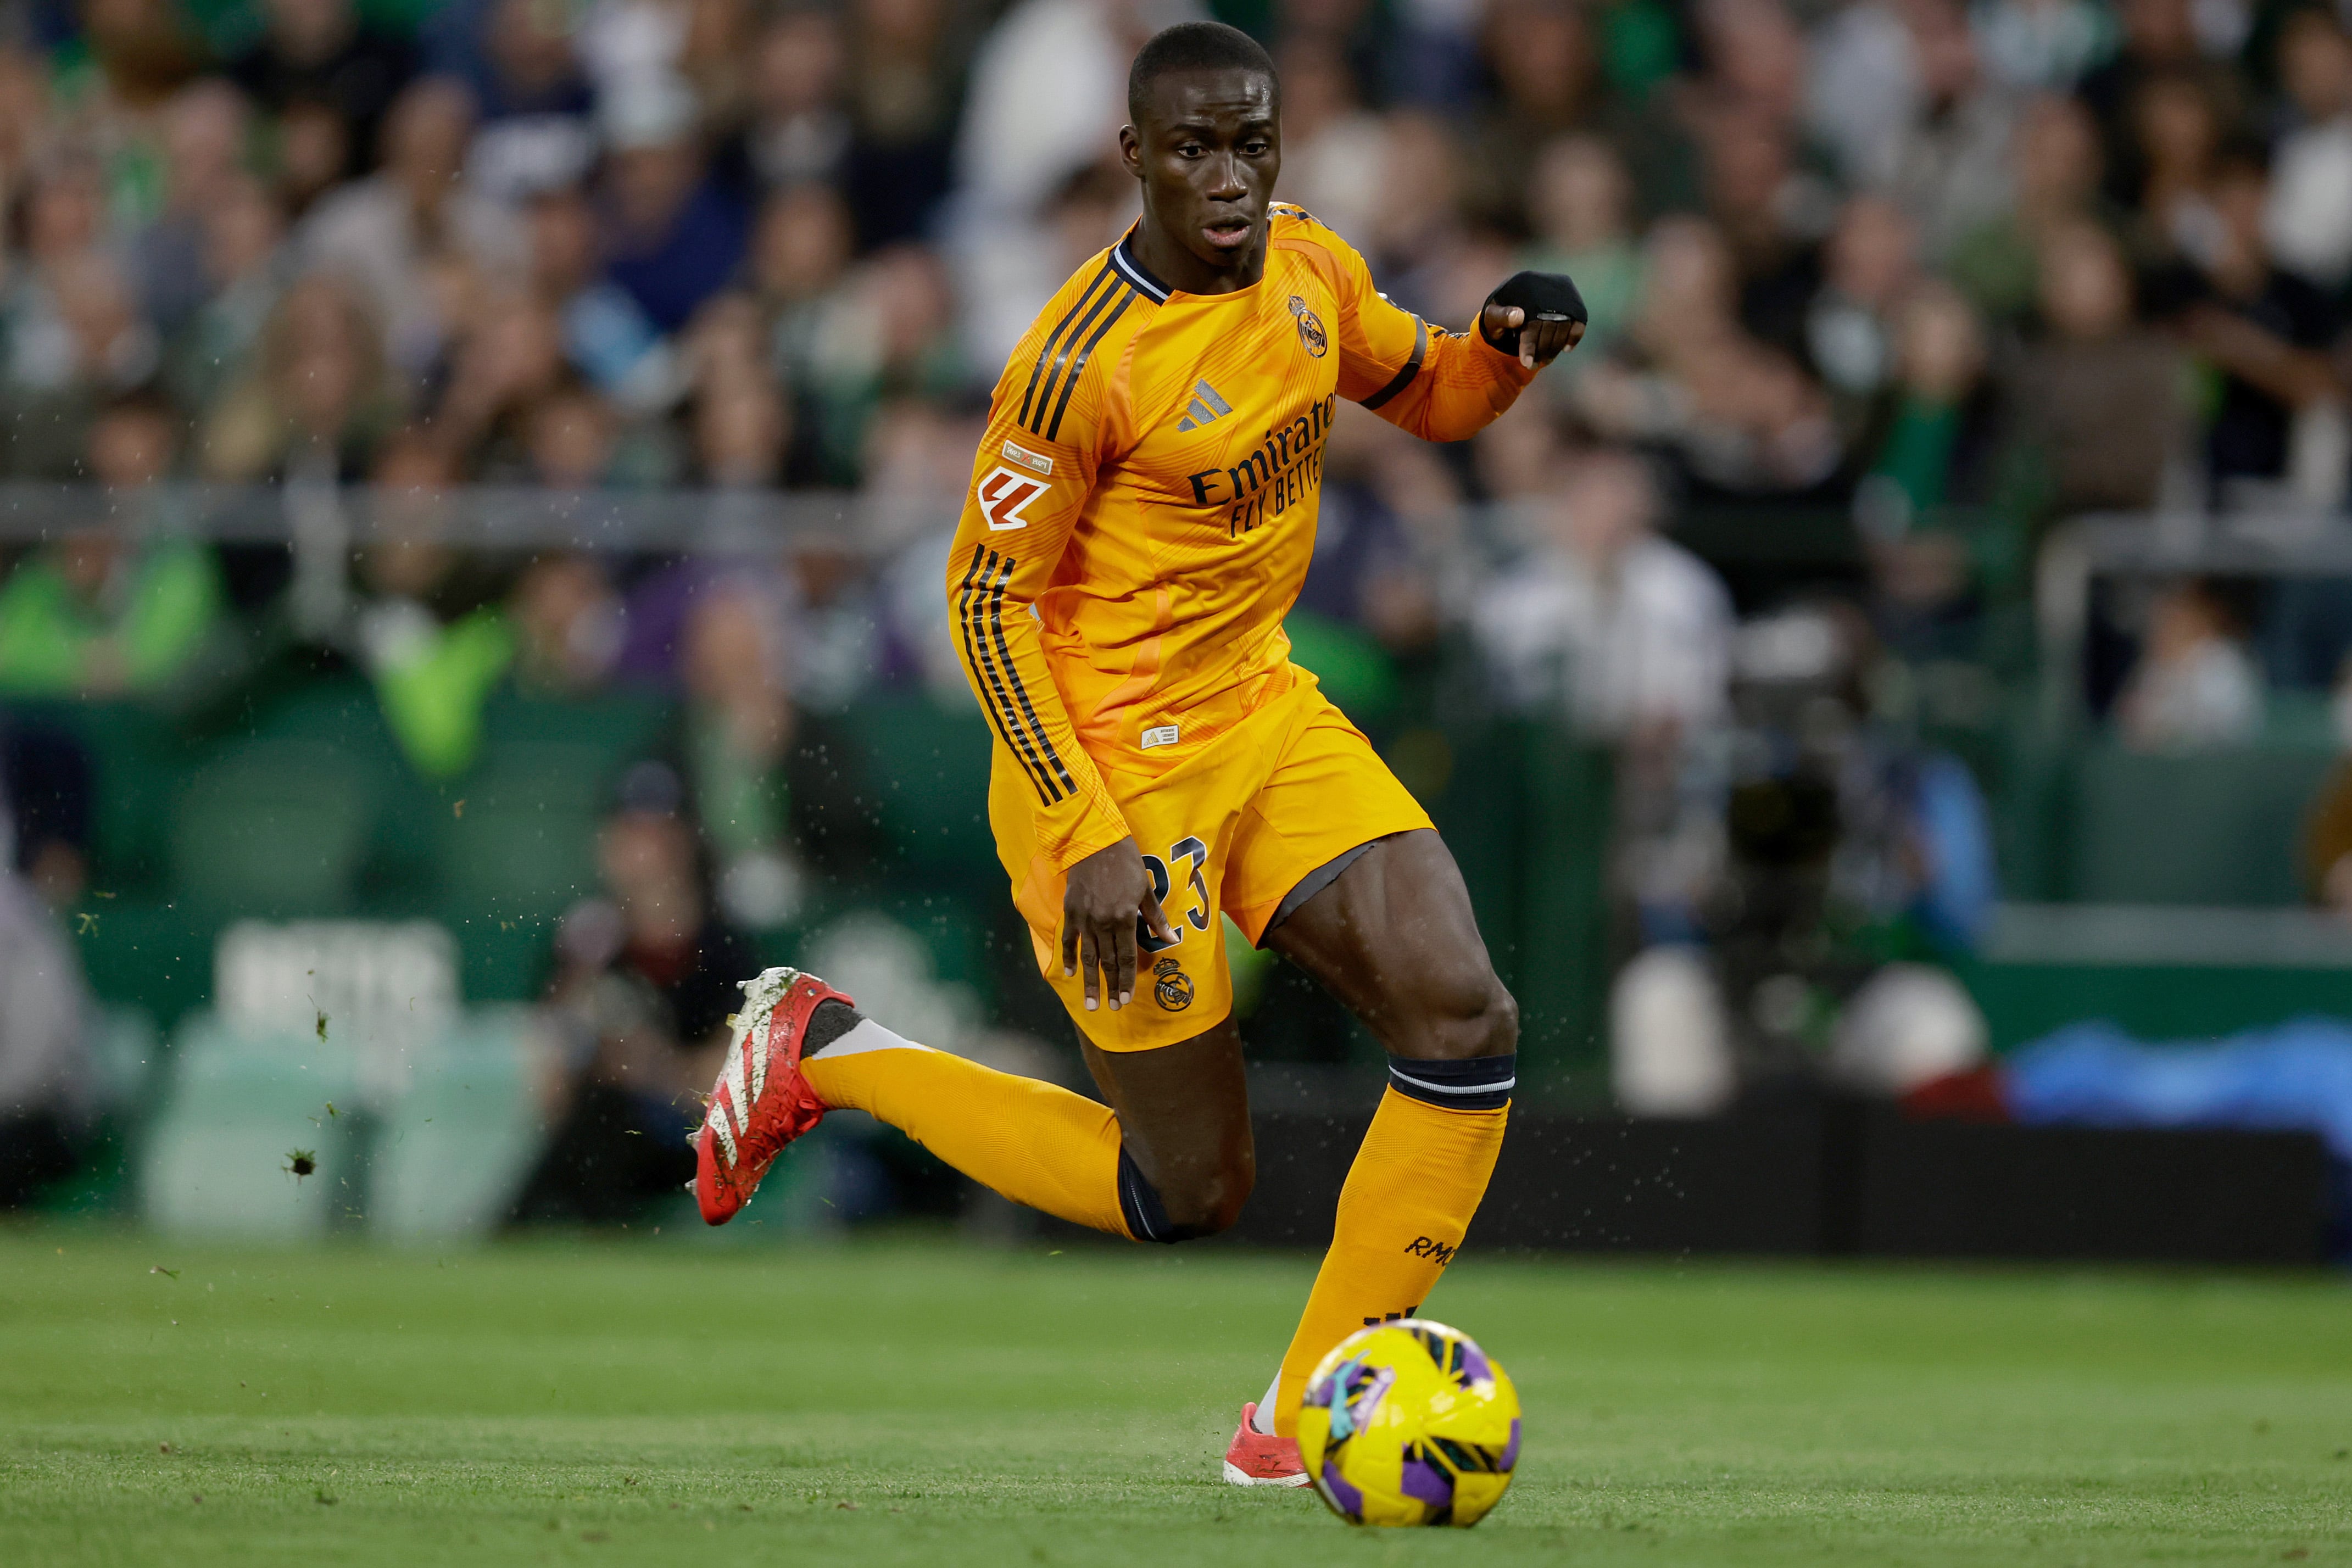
[
  {"x": 296, "y": 803},
  {"x": 314, "y": 517},
  {"x": 2084, "y": 551}
]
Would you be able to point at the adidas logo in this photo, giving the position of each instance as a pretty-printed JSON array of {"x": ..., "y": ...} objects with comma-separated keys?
[{"x": 1204, "y": 408}]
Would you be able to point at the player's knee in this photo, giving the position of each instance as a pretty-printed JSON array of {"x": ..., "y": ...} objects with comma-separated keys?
[
  {"x": 1469, "y": 1014},
  {"x": 1502, "y": 1021},
  {"x": 1488, "y": 1027},
  {"x": 1200, "y": 1202},
  {"x": 1209, "y": 1205}
]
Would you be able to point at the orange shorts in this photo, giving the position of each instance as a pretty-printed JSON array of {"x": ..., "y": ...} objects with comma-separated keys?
[{"x": 1229, "y": 832}]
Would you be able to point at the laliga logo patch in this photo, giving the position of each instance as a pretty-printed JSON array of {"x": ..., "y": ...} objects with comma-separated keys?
[
  {"x": 1003, "y": 495},
  {"x": 1310, "y": 328},
  {"x": 1172, "y": 984}
]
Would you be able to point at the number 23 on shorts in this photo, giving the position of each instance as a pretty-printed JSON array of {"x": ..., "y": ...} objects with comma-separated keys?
[{"x": 1189, "y": 852}]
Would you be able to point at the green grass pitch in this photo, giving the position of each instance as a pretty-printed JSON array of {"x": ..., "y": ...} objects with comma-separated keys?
[{"x": 919, "y": 1403}]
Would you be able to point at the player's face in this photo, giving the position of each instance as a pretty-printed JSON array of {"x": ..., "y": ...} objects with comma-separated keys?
[{"x": 1207, "y": 151}]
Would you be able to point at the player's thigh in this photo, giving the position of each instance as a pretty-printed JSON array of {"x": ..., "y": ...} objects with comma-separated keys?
[
  {"x": 1328, "y": 797},
  {"x": 1183, "y": 1115},
  {"x": 1394, "y": 939}
]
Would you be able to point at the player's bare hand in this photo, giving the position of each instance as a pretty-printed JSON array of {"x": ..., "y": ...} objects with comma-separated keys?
[
  {"x": 1103, "y": 897},
  {"x": 1540, "y": 342}
]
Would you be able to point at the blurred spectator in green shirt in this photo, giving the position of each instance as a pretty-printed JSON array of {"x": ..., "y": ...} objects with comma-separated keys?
[
  {"x": 426, "y": 627},
  {"x": 1581, "y": 201},
  {"x": 123, "y": 605}
]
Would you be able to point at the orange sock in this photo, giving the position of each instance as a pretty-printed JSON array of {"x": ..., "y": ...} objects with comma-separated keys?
[
  {"x": 1032, "y": 1141},
  {"x": 1409, "y": 1197}
]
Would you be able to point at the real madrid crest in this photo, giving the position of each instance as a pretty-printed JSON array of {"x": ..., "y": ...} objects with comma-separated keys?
[
  {"x": 1310, "y": 328},
  {"x": 1172, "y": 984}
]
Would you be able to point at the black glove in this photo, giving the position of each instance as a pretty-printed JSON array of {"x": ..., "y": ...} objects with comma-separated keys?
[{"x": 1543, "y": 296}]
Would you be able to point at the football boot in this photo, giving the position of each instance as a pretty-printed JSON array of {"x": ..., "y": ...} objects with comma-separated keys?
[
  {"x": 1257, "y": 1459},
  {"x": 762, "y": 1101}
]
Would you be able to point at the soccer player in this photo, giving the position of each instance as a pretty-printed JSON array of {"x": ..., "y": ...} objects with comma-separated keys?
[{"x": 1141, "y": 515}]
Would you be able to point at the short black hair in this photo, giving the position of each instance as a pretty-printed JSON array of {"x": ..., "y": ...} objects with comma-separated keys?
[{"x": 1194, "y": 46}]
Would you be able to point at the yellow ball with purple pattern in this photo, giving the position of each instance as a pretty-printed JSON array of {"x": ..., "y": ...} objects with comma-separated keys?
[{"x": 1410, "y": 1423}]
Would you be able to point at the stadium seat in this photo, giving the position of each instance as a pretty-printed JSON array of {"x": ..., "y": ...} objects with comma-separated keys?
[
  {"x": 450, "y": 1155},
  {"x": 523, "y": 845},
  {"x": 923, "y": 771},
  {"x": 137, "y": 761},
  {"x": 917, "y": 770},
  {"x": 618, "y": 724},
  {"x": 125, "y": 1053},
  {"x": 237, "y": 1108},
  {"x": 146, "y": 952},
  {"x": 273, "y": 828},
  {"x": 2213, "y": 827}
]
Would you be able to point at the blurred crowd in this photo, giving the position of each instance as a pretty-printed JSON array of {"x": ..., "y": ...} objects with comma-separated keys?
[
  {"x": 1943, "y": 272},
  {"x": 1951, "y": 270},
  {"x": 2048, "y": 253}
]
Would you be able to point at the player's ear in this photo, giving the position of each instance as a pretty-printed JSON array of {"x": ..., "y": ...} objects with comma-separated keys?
[{"x": 1130, "y": 150}]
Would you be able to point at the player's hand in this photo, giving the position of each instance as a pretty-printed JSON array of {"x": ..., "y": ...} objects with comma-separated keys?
[
  {"x": 1540, "y": 342},
  {"x": 1102, "y": 898}
]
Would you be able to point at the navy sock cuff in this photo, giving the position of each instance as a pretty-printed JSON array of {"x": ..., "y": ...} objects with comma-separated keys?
[
  {"x": 1139, "y": 1205},
  {"x": 1473, "y": 1083}
]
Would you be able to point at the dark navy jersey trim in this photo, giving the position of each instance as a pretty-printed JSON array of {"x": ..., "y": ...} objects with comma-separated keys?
[
  {"x": 1135, "y": 272},
  {"x": 1404, "y": 378}
]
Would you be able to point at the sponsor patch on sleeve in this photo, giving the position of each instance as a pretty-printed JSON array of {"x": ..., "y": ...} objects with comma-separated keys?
[
  {"x": 1003, "y": 495},
  {"x": 1035, "y": 462},
  {"x": 1159, "y": 735}
]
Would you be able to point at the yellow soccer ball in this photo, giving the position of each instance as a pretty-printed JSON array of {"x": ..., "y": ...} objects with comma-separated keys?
[{"x": 1410, "y": 1423}]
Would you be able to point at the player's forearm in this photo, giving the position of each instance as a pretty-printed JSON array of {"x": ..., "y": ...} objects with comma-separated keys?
[
  {"x": 1464, "y": 385},
  {"x": 1004, "y": 660}
]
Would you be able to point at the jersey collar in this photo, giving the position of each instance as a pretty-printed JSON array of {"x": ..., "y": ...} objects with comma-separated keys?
[
  {"x": 1122, "y": 256},
  {"x": 1123, "y": 260}
]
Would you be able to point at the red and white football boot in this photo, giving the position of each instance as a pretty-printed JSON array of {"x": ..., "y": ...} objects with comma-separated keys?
[
  {"x": 1258, "y": 1459},
  {"x": 760, "y": 1101}
]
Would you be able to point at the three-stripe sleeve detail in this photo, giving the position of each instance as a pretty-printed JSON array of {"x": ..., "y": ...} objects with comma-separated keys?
[
  {"x": 995, "y": 699},
  {"x": 1012, "y": 673},
  {"x": 1078, "y": 367},
  {"x": 1404, "y": 378},
  {"x": 1121, "y": 292},
  {"x": 1053, "y": 340}
]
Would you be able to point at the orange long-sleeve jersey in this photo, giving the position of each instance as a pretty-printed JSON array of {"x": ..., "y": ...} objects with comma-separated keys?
[{"x": 1142, "y": 508}]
